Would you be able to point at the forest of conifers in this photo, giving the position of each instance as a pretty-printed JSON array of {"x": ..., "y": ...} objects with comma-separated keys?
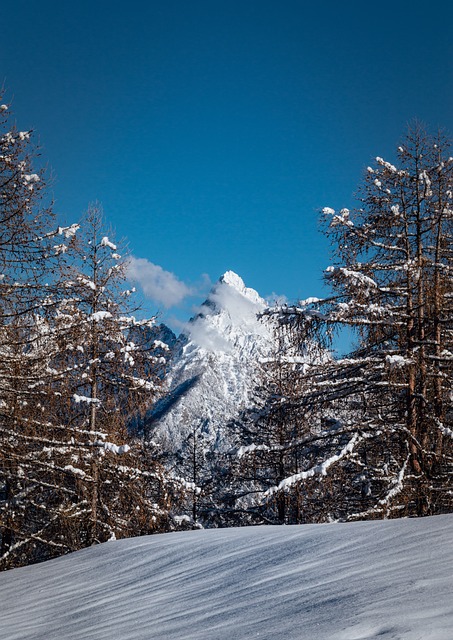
[{"x": 367, "y": 435}]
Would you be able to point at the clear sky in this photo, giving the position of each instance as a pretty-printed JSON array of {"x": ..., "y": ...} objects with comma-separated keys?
[{"x": 213, "y": 131}]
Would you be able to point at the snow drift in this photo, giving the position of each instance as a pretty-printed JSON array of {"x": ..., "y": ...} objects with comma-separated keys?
[{"x": 383, "y": 579}]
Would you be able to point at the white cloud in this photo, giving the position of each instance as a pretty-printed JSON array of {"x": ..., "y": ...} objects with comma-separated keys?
[
  {"x": 277, "y": 300},
  {"x": 207, "y": 337},
  {"x": 161, "y": 286}
]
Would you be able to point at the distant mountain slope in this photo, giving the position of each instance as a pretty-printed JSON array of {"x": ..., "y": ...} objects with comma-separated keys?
[
  {"x": 382, "y": 580},
  {"x": 214, "y": 367}
]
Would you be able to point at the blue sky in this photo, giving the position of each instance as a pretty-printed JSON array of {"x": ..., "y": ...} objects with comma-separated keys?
[{"x": 214, "y": 131}]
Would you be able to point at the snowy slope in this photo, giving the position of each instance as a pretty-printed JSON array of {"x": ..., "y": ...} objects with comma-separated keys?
[
  {"x": 382, "y": 579},
  {"x": 213, "y": 375}
]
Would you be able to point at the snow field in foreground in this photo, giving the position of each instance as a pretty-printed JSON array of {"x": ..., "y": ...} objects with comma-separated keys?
[{"x": 382, "y": 579}]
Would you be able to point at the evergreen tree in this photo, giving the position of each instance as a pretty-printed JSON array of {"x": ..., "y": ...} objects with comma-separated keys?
[
  {"x": 73, "y": 374},
  {"x": 27, "y": 296},
  {"x": 368, "y": 435},
  {"x": 109, "y": 378},
  {"x": 392, "y": 277}
]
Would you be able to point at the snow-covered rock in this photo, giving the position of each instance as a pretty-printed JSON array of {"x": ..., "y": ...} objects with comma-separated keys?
[{"x": 214, "y": 370}]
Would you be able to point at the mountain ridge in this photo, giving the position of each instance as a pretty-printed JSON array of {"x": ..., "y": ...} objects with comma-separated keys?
[{"x": 214, "y": 366}]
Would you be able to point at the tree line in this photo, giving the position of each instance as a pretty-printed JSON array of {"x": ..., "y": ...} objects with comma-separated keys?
[
  {"x": 367, "y": 435},
  {"x": 74, "y": 372}
]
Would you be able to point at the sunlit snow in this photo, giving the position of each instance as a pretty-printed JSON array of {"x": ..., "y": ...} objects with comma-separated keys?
[
  {"x": 214, "y": 374},
  {"x": 378, "y": 580}
]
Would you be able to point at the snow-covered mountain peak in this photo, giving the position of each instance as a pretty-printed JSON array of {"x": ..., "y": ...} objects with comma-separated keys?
[
  {"x": 231, "y": 279},
  {"x": 228, "y": 316},
  {"x": 214, "y": 373}
]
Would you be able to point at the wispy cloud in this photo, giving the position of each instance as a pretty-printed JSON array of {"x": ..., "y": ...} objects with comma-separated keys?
[
  {"x": 163, "y": 287},
  {"x": 275, "y": 299}
]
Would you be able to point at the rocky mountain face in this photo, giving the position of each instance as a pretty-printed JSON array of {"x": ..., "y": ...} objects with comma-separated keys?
[{"x": 214, "y": 366}]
